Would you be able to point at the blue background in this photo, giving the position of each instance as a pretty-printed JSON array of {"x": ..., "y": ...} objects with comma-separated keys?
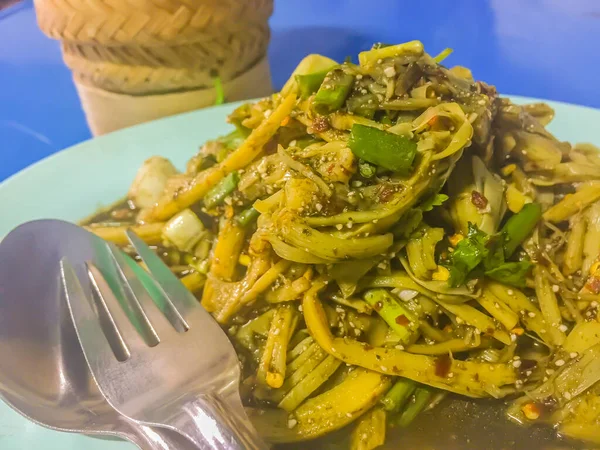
[{"x": 538, "y": 48}]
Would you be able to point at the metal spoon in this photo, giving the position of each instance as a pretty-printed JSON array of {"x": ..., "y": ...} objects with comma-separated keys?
[{"x": 43, "y": 373}]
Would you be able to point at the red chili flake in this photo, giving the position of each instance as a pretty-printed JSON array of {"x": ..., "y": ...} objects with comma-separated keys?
[
  {"x": 479, "y": 200},
  {"x": 402, "y": 320},
  {"x": 442, "y": 365},
  {"x": 321, "y": 124},
  {"x": 593, "y": 285},
  {"x": 368, "y": 347},
  {"x": 386, "y": 193}
]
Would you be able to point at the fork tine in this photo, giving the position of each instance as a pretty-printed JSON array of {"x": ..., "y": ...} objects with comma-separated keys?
[
  {"x": 161, "y": 320},
  {"x": 125, "y": 330},
  {"x": 180, "y": 297},
  {"x": 97, "y": 347}
]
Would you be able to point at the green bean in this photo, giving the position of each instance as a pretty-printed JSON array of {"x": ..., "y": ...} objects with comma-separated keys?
[
  {"x": 409, "y": 104},
  {"x": 520, "y": 226},
  {"x": 300, "y": 347},
  {"x": 363, "y": 105},
  {"x": 226, "y": 186},
  {"x": 247, "y": 217},
  {"x": 573, "y": 203},
  {"x": 309, "y": 83},
  {"x": 573, "y": 258},
  {"x": 548, "y": 302},
  {"x": 420, "y": 400},
  {"x": 388, "y": 150},
  {"x": 372, "y": 57},
  {"x": 477, "y": 319},
  {"x": 333, "y": 91},
  {"x": 397, "y": 396},
  {"x": 396, "y": 316},
  {"x": 498, "y": 309},
  {"x": 310, "y": 383},
  {"x": 591, "y": 243},
  {"x": 414, "y": 252}
]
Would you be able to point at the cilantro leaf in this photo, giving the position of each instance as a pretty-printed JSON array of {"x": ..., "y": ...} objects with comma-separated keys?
[
  {"x": 513, "y": 273},
  {"x": 483, "y": 254},
  {"x": 434, "y": 200},
  {"x": 467, "y": 255}
]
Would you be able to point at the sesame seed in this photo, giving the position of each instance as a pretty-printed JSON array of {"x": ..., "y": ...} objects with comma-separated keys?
[
  {"x": 567, "y": 396},
  {"x": 516, "y": 363},
  {"x": 389, "y": 71},
  {"x": 339, "y": 226},
  {"x": 450, "y": 375},
  {"x": 359, "y": 76},
  {"x": 573, "y": 354},
  {"x": 384, "y": 368},
  {"x": 292, "y": 423},
  {"x": 559, "y": 362},
  {"x": 531, "y": 314},
  {"x": 400, "y": 347},
  {"x": 555, "y": 288},
  {"x": 563, "y": 328},
  {"x": 513, "y": 337}
]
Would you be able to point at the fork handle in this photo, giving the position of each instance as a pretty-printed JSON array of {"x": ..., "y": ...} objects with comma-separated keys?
[{"x": 216, "y": 423}]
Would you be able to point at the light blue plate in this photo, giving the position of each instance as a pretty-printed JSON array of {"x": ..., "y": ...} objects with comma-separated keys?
[{"x": 76, "y": 182}]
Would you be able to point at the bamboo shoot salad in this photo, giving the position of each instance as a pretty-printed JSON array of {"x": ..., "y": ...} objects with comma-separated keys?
[{"x": 379, "y": 234}]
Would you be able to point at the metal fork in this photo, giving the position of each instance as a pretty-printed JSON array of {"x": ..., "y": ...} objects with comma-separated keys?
[{"x": 157, "y": 356}]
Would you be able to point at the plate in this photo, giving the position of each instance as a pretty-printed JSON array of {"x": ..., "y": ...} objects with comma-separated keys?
[{"x": 76, "y": 182}]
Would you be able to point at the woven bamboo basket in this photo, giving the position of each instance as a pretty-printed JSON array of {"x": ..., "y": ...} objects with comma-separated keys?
[{"x": 135, "y": 60}]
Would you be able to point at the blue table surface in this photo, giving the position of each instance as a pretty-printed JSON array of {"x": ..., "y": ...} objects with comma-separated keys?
[{"x": 538, "y": 48}]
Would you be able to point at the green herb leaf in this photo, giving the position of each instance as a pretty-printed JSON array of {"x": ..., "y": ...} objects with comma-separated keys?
[
  {"x": 467, "y": 255},
  {"x": 483, "y": 254},
  {"x": 387, "y": 150},
  {"x": 433, "y": 201},
  {"x": 513, "y": 273}
]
